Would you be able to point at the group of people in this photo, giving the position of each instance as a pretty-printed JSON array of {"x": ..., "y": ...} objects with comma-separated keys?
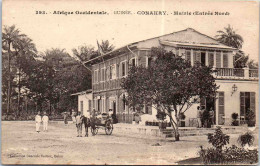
[
  {"x": 77, "y": 117},
  {"x": 44, "y": 120},
  {"x": 205, "y": 118}
]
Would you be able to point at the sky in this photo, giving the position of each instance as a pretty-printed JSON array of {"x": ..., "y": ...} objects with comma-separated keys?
[{"x": 67, "y": 32}]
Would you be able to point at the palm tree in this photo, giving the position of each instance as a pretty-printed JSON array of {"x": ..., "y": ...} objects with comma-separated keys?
[
  {"x": 106, "y": 46},
  {"x": 25, "y": 51},
  {"x": 230, "y": 38},
  {"x": 10, "y": 36}
]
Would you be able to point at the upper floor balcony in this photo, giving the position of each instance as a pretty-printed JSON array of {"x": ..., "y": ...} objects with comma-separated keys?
[{"x": 236, "y": 73}]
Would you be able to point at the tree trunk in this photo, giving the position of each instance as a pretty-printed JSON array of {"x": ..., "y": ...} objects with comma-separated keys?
[
  {"x": 176, "y": 129},
  {"x": 19, "y": 92},
  {"x": 9, "y": 79}
]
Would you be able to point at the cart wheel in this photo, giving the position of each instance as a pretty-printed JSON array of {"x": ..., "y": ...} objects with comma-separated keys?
[
  {"x": 109, "y": 128},
  {"x": 94, "y": 131}
]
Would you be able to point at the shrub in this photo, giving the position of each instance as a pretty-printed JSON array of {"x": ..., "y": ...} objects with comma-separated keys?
[
  {"x": 246, "y": 138},
  {"x": 211, "y": 156},
  {"x": 161, "y": 115},
  {"x": 229, "y": 155},
  {"x": 250, "y": 118},
  {"x": 235, "y": 122},
  {"x": 235, "y": 154},
  {"x": 218, "y": 139}
]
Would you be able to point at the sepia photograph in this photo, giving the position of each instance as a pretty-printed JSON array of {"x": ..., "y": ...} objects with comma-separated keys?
[{"x": 110, "y": 82}]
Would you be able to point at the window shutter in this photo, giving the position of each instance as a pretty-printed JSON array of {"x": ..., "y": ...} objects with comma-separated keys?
[
  {"x": 198, "y": 57},
  {"x": 221, "y": 108},
  {"x": 211, "y": 59},
  {"x": 218, "y": 61},
  {"x": 117, "y": 70},
  {"x": 225, "y": 60},
  {"x": 242, "y": 103},
  {"x": 108, "y": 73},
  {"x": 89, "y": 105},
  {"x": 252, "y": 101},
  {"x": 188, "y": 55}
]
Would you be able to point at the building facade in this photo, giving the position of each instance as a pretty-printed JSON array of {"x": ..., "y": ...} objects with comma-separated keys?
[
  {"x": 238, "y": 90},
  {"x": 84, "y": 101}
]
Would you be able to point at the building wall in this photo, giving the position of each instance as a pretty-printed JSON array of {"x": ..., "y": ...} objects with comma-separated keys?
[
  {"x": 84, "y": 101},
  {"x": 231, "y": 102},
  {"x": 108, "y": 90}
]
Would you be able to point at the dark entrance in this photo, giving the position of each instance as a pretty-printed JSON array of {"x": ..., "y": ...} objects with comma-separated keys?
[
  {"x": 114, "y": 107},
  {"x": 203, "y": 58},
  {"x": 209, "y": 103}
]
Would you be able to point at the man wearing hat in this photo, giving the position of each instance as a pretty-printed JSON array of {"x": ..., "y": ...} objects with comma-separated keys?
[
  {"x": 38, "y": 120},
  {"x": 79, "y": 118},
  {"x": 45, "y": 120}
]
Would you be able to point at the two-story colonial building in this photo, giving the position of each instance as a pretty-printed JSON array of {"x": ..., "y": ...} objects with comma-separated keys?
[{"x": 238, "y": 90}]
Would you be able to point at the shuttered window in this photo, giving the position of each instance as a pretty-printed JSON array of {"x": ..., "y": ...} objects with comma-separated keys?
[
  {"x": 197, "y": 57},
  {"x": 218, "y": 60},
  {"x": 221, "y": 107},
  {"x": 89, "y": 105},
  {"x": 102, "y": 74},
  {"x": 211, "y": 59},
  {"x": 247, "y": 101},
  {"x": 188, "y": 55},
  {"x": 81, "y": 106},
  {"x": 225, "y": 60}
]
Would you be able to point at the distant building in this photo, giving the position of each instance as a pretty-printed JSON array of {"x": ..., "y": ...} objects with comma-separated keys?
[
  {"x": 238, "y": 90},
  {"x": 84, "y": 101}
]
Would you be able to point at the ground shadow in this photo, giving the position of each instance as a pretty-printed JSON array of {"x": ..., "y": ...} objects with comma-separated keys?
[{"x": 191, "y": 161}]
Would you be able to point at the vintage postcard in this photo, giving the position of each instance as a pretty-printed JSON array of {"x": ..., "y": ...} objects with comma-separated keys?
[{"x": 163, "y": 82}]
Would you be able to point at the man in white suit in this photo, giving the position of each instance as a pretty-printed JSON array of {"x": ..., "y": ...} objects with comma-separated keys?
[
  {"x": 38, "y": 120},
  {"x": 45, "y": 120}
]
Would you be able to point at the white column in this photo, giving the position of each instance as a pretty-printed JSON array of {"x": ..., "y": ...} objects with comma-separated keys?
[
  {"x": 221, "y": 59},
  {"x": 246, "y": 72},
  {"x": 215, "y": 59},
  {"x": 216, "y": 106},
  {"x": 191, "y": 57},
  {"x": 207, "y": 58}
]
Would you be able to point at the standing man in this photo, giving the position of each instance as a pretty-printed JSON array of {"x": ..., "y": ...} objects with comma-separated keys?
[
  {"x": 202, "y": 117},
  {"x": 73, "y": 116},
  {"x": 79, "y": 124},
  {"x": 211, "y": 115},
  {"x": 45, "y": 120},
  {"x": 65, "y": 118},
  {"x": 199, "y": 117},
  {"x": 38, "y": 120}
]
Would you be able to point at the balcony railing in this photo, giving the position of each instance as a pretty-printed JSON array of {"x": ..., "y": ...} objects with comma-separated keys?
[
  {"x": 253, "y": 73},
  {"x": 237, "y": 72}
]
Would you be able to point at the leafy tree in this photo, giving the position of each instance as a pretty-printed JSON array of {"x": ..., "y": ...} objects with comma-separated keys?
[{"x": 169, "y": 84}]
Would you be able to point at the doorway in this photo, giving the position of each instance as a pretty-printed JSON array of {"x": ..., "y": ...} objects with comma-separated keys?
[
  {"x": 203, "y": 58},
  {"x": 114, "y": 108}
]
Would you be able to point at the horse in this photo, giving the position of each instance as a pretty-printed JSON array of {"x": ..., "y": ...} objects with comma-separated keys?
[{"x": 88, "y": 122}]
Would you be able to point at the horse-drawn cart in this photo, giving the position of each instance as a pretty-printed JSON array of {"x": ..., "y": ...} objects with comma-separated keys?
[{"x": 103, "y": 121}]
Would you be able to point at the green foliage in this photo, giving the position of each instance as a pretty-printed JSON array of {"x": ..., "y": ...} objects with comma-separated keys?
[
  {"x": 218, "y": 139},
  {"x": 246, "y": 138}
]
